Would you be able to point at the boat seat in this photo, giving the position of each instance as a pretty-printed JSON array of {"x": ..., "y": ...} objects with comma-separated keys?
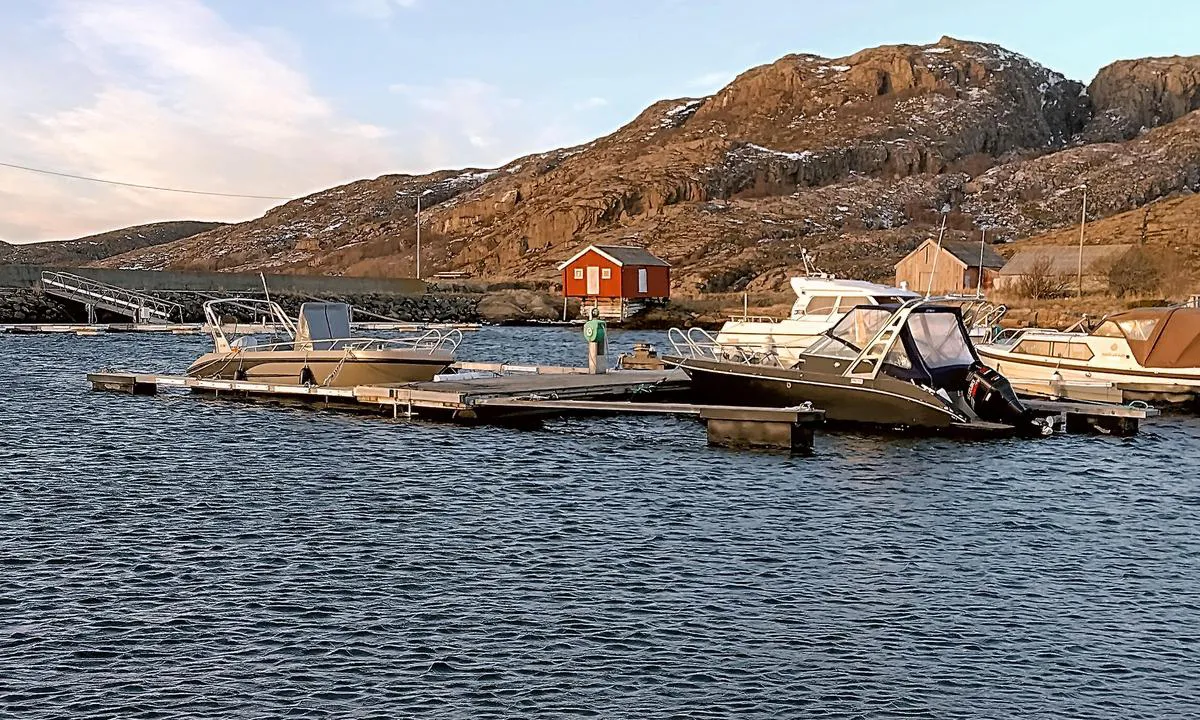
[{"x": 323, "y": 326}]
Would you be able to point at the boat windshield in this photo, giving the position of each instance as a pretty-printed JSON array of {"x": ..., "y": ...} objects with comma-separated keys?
[{"x": 852, "y": 332}]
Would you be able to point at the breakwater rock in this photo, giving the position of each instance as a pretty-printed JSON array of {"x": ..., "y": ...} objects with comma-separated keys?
[
  {"x": 494, "y": 306},
  {"x": 415, "y": 308},
  {"x": 31, "y": 306}
]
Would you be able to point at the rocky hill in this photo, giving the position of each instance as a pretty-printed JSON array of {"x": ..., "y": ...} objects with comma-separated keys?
[
  {"x": 1167, "y": 226},
  {"x": 72, "y": 253},
  {"x": 853, "y": 159}
]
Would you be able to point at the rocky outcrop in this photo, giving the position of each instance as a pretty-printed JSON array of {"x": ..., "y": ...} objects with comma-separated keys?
[
  {"x": 31, "y": 306},
  {"x": 1135, "y": 95},
  {"x": 509, "y": 305},
  {"x": 853, "y": 159}
]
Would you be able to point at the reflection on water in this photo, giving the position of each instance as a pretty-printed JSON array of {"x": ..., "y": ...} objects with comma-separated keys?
[{"x": 175, "y": 557}]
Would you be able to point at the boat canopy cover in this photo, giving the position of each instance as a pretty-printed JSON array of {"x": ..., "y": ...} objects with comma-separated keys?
[
  {"x": 321, "y": 325},
  {"x": 933, "y": 346},
  {"x": 940, "y": 340},
  {"x": 1159, "y": 337}
]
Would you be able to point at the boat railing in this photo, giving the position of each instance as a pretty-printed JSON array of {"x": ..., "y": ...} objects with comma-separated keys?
[
  {"x": 699, "y": 344},
  {"x": 753, "y": 318},
  {"x": 432, "y": 341}
]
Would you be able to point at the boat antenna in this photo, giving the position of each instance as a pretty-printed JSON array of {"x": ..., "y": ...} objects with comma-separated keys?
[
  {"x": 979, "y": 278},
  {"x": 933, "y": 270},
  {"x": 810, "y": 267},
  {"x": 266, "y": 292}
]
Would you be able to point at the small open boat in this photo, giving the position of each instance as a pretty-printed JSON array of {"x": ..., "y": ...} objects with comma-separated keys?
[
  {"x": 908, "y": 366},
  {"x": 318, "y": 350}
]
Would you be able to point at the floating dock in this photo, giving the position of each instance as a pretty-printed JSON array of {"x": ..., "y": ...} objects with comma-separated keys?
[
  {"x": 1106, "y": 419},
  {"x": 523, "y": 394},
  {"x": 511, "y": 394}
]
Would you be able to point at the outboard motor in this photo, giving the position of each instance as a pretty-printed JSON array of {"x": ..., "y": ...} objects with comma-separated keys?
[{"x": 993, "y": 399}]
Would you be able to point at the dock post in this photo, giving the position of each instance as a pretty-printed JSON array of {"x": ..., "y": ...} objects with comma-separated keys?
[
  {"x": 780, "y": 429},
  {"x": 1108, "y": 425},
  {"x": 595, "y": 332}
]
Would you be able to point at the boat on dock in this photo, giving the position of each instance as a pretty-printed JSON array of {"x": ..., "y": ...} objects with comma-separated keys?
[
  {"x": 318, "y": 349},
  {"x": 822, "y": 300},
  {"x": 911, "y": 367},
  {"x": 1148, "y": 354}
]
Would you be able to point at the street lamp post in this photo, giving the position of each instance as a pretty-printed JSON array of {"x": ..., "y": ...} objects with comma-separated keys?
[{"x": 1082, "y": 223}]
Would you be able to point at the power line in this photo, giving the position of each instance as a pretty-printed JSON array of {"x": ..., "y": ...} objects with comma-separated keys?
[{"x": 142, "y": 187}]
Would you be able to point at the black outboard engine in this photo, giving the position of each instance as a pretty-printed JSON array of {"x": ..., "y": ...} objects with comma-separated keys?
[{"x": 993, "y": 399}]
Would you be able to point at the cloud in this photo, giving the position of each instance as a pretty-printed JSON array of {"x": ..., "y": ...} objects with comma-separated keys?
[
  {"x": 375, "y": 9},
  {"x": 711, "y": 81},
  {"x": 163, "y": 92},
  {"x": 590, "y": 103},
  {"x": 468, "y": 122},
  {"x": 166, "y": 93}
]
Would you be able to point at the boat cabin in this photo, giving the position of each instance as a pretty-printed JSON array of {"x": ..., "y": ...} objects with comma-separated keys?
[
  {"x": 928, "y": 344},
  {"x": 827, "y": 297},
  {"x": 322, "y": 326}
]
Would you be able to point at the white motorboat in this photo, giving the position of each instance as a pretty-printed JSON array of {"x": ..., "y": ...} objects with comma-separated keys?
[
  {"x": 318, "y": 350},
  {"x": 821, "y": 301},
  {"x": 1148, "y": 354}
]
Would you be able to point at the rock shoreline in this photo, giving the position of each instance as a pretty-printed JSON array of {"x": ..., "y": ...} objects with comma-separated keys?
[{"x": 500, "y": 307}]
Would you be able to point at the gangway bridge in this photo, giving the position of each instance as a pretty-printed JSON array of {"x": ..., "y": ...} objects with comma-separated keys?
[{"x": 142, "y": 307}]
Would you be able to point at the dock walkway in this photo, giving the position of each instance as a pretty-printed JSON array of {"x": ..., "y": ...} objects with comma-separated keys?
[
  {"x": 523, "y": 394},
  {"x": 87, "y": 329}
]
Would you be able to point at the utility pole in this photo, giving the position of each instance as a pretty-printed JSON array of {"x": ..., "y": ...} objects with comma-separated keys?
[
  {"x": 1082, "y": 223},
  {"x": 979, "y": 279},
  {"x": 933, "y": 271}
]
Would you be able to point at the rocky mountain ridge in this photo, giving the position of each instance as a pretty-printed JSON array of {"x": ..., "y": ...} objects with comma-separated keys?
[
  {"x": 69, "y": 253},
  {"x": 854, "y": 159}
]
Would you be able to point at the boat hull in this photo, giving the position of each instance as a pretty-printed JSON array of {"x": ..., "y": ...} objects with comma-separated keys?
[
  {"x": 1127, "y": 384},
  {"x": 334, "y": 368},
  {"x": 882, "y": 402}
]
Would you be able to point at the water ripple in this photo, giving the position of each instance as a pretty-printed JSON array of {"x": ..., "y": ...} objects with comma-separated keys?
[{"x": 169, "y": 556}]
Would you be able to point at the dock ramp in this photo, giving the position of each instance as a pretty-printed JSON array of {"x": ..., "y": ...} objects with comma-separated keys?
[{"x": 141, "y": 307}]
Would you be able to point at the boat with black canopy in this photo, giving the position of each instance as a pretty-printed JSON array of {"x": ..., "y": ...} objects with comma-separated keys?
[{"x": 907, "y": 366}]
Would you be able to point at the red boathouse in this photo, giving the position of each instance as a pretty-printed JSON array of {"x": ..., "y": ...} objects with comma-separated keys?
[{"x": 616, "y": 279}]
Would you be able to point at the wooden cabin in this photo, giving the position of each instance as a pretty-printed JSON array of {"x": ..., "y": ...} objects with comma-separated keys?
[
  {"x": 956, "y": 269},
  {"x": 1064, "y": 262},
  {"x": 617, "y": 280}
]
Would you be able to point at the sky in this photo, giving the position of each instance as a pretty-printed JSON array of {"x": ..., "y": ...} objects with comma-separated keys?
[{"x": 282, "y": 98}]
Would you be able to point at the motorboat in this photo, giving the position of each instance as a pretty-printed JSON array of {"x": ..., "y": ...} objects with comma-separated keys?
[
  {"x": 318, "y": 349},
  {"x": 1147, "y": 354},
  {"x": 821, "y": 301},
  {"x": 907, "y": 366}
]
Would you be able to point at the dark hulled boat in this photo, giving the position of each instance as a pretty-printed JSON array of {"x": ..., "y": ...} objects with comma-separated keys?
[{"x": 910, "y": 366}]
